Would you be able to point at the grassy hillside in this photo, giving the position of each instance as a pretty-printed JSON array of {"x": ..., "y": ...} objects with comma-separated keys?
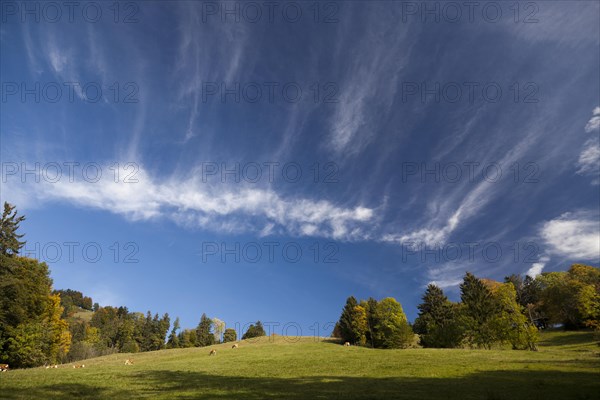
[
  {"x": 566, "y": 367},
  {"x": 84, "y": 315}
]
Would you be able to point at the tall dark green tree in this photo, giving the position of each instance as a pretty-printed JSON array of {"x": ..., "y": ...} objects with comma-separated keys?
[
  {"x": 479, "y": 307},
  {"x": 254, "y": 330},
  {"x": 530, "y": 293},
  {"x": 9, "y": 237},
  {"x": 347, "y": 323},
  {"x": 438, "y": 322},
  {"x": 204, "y": 337},
  {"x": 161, "y": 328},
  {"x": 187, "y": 338},
  {"x": 370, "y": 307},
  {"x": 173, "y": 341},
  {"x": 431, "y": 309}
]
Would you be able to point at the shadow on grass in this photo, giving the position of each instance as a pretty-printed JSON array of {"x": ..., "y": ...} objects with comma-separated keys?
[
  {"x": 496, "y": 385},
  {"x": 63, "y": 391}
]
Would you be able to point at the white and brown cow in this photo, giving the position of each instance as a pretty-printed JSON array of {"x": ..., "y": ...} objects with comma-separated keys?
[
  {"x": 213, "y": 352},
  {"x": 347, "y": 344},
  {"x": 235, "y": 346},
  {"x": 3, "y": 367},
  {"x": 129, "y": 361}
]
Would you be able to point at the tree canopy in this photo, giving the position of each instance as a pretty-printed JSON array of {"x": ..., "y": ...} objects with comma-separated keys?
[
  {"x": 377, "y": 324},
  {"x": 254, "y": 330}
]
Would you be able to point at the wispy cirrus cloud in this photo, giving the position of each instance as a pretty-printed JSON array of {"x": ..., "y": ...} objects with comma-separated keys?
[
  {"x": 594, "y": 123},
  {"x": 589, "y": 159},
  {"x": 201, "y": 60},
  {"x": 462, "y": 203},
  {"x": 58, "y": 60},
  {"x": 189, "y": 201},
  {"x": 571, "y": 24},
  {"x": 368, "y": 83},
  {"x": 446, "y": 275}
]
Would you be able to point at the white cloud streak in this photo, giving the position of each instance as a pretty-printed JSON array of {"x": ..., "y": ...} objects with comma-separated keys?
[
  {"x": 589, "y": 160},
  {"x": 369, "y": 83},
  {"x": 461, "y": 209},
  {"x": 594, "y": 123},
  {"x": 190, "y": 202},
  {"x": 201, "y": 60}
]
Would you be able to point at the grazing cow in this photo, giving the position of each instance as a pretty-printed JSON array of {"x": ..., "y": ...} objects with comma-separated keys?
[
  {"x": 3, "y": 367},
  {"x": 235, "y": 346},
  {"x": 79, "y": 366},
  {"x": 129, "y": 362},
  {"x": 212, "y": 353},
  {"x": 51, "y": 366},
  {"x": 347, "y": 344}
]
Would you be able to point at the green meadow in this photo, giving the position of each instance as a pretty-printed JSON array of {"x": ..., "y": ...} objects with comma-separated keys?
[{"x": 567, "y": 366}]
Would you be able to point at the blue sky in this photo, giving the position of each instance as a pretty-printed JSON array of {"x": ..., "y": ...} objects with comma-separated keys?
[{"x": 267, "y": 164}]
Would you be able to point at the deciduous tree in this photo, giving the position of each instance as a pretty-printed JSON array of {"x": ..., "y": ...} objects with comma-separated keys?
[
  {"x": 230, "y": 335},
  {"x": 218, "y": 328},
  {"x": 391, "y": 330}
]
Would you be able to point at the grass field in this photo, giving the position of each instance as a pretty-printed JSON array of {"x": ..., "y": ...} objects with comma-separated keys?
[
  {"x": 567, "y": 366},
  {"x": 84, "y": 315}
]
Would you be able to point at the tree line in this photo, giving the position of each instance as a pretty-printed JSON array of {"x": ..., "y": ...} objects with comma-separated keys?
[
  {"x": 489, "y": 313},
  {"x": 208, "y": 332}
]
